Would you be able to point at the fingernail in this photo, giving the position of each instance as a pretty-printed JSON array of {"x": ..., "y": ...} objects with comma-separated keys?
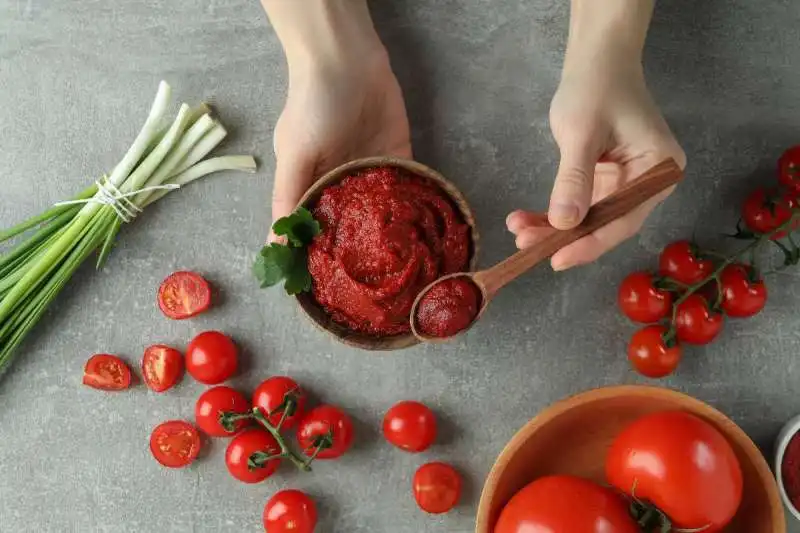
[{"x": 564, "y": 213}]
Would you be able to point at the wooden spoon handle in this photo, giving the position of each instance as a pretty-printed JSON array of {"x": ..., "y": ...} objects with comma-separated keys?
[{"x": 657, "y": 179}]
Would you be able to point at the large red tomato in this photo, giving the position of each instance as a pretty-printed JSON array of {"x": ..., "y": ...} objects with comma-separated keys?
[
  {"x": 565, "y": 504},
  {"x": 682, "y": 465}
]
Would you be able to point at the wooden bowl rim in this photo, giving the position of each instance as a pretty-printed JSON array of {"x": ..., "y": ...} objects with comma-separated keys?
[
  {"x": 556, "y": 409},
  {"x": 395, "y": 342}
]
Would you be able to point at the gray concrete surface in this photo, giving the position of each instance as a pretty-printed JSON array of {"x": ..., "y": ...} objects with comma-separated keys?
[{"x": 75, "y": 81}]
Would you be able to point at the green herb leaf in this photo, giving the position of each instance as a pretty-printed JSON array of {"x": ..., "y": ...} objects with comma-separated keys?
[
  {"x": 273, "y": 264},
  {"x": 300, "y": 228},
  {"x": 299, "y": 278}
]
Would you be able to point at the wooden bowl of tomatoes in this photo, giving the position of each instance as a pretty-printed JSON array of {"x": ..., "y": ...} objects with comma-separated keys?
[{"x": 574, "y": 437}]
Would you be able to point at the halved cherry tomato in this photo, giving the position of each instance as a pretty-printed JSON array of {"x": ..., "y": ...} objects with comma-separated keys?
[
  {"x": 106, "y": 372},
  {"x": 211, "y": 357},
  {"x": 274, "y": 395},
  {"x": 175, "y": 443},
  {"x": 679, "y": 261},
  {"x": 327, "y": 428},
  {"x": 437, "y": 487},
  {"x": 290, "y": 511},
  {"x": 695, "y": 322},
  {"x": 184, "y": 295},
  {"x": 764, "y": 211},
  {"x": 641, "y": 301},
  {"x": 411, "y": 426},
  {"x": 789, "y": 169},
  {"x": 162, "y": 367},
  {"x": 650, "y": 355},
  {"x": 742, "y": 295},
  {"x": 218, "y": 400},
  {"x": 245, "y": 444}
]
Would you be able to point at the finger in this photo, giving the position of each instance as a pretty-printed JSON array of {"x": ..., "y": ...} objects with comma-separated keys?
[
  {"x": 530, "y": 236},
  {"x": 572, "y": 190},
  {"x": 293, "y": 175},
  {"x": 520, "y": 220}
]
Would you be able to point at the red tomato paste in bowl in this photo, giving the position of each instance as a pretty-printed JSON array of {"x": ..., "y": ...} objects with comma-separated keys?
[
  {"x": 448, "y": 307},
  {"x": 386, "y": 235}
]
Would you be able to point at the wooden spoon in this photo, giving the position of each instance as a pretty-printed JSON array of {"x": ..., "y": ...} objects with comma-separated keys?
[{"x": 490, "y": 281}]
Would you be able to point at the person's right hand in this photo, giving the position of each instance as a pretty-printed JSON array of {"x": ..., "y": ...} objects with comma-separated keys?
[{"x": 336, "y": 111}]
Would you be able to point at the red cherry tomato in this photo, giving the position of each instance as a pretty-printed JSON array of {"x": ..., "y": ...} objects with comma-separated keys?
[
  {"x": 680, "y": 262},
  {"x": 106, "y": 372},
  {"x": 680, "y": 463},
  {"x": 244, "y": 445},
  {"x": 437, "y": 487},
  {"x": 276, "y": 393},
  {"x": 695, "y": 323},
  {"x": 290, "y": 511},
  {"x": 650, "y": 355},
  {"x": 216, "y": 400},
  {"x": 742, "y": 296},
  {"x": 411, "y": 426},
  {"x": 184, "y": 295},
  {"x": 565, "y": 504},
  {"x": 789, "y": 169},
  {"x": 764, "y": 211},
  {"x": 641, "y": 301},
  {"x": 175, "y": 443},
  {"x": 211, "y": 357},
  {"x": 327, "y": 428},
  {"x": 162, "y": 367}
]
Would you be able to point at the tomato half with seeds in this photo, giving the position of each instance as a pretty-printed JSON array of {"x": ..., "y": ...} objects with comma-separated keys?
[
  {"x": 789, "y": 169},
  {"x": 641, "y": 301},
  {"x": 764, "y": 211},
  {"x": 241, "y": 449},
  {"x": 290, "y": 511},
  {"x": 175, "y": 443},
  {"x": 326, "y": 432},
  {"x": 278, "y": 395},
  {"x": 695, "y": 322},
  {"x": 211, "y": 357},
  {"x": 743, "y": 294},
  {"x": 410, "y": 425},
  {"x": 650, "y": 354},
  {"x": 217, "y": 400},
  {"x": 106, "y": 372},
  {"x": 184, "y": 295},
  {"x": 437, "y": 487},
  {"x": 680, "y": 262},
  {"x": 162, "y": 367}
]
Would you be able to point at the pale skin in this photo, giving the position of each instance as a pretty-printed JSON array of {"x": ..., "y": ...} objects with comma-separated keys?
[{"x": 344, "y": 102}]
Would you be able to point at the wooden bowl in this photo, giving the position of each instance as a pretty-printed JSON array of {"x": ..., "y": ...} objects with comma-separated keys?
[
  {"x": 307, "y": 302},
  {"x": 573, "y": 436}
]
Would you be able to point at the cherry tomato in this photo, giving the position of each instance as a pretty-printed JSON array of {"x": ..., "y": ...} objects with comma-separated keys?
[
  {"x": 326, "y": 427},
  {"x": 763, "y": 212},
  {"x": 789, "y": 169},
  {"x": 680, "y": 262},
  {"x": 650, "y": 355},
  {"x": 211, "y": 357},
  {"x": 272, "y": 396},
  {"x": 565, "y": 504},
  {"x": 106, "y": 372},
  {"x": 695, "y": 323},
  {"x": 641, "y": 301},
  {"x": 680, "y": 463},
  {"x": 742, "y": 296},
  {"x": 184, "y": 295},
  {"x": 290, "y": 511},
  {"x": 162, "y": 367},
  {"x": 175, "y": 443},
  {"x": 437, "y": 487},
  {"x": 245, "y": 444},
  {"x": 218, "y": 400},
  {"x": 411, "y": 426}
]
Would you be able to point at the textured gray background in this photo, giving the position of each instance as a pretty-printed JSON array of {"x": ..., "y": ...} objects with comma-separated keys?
[{"x": 75, "y": 82}]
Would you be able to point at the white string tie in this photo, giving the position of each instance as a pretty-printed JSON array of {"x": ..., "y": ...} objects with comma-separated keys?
[{"x": 108, "y": 194}]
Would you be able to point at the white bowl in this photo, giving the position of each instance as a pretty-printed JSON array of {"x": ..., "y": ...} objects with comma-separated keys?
[{"x": 786, "y": 434}]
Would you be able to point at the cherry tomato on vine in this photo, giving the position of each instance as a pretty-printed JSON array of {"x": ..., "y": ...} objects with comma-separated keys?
[
  {"x": 789, "y": 169},
  {"x": 218, "y": 400},
  {"x": 211, "y": 357},
  {"x": 764, "y": 211},
  {"x": 679, "y": 261},
  {"x": 742, "y": 296},
  {"x": 245, "y": 444},
  {"x": 106, "y": 372},
  {"x": 271, "y": 396},
  {"x": 411, "y": 426},
  {"x": 641, "y": 301},
  {"x": 328, "y": 428},
  {"x": 691, "y": 473},
  {"x": 184, "y": 295},
  {"x": 162, "y": 367},
  {"x": 437, "y": 487},
  {"x": 695, "y": 322},
  {"x": 650, "y": 355},
  {"x": 565, "y": 504},
  {"x": 175, "y": 443},
  {"x": 290, "y": 511}
]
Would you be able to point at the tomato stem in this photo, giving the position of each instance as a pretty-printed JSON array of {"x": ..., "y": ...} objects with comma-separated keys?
[{"x": 286, "y": 451}]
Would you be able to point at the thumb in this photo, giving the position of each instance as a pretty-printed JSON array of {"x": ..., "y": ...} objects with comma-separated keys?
[
  {"x": 294, "y": 173},
  {"x": 572, "y": 190}
]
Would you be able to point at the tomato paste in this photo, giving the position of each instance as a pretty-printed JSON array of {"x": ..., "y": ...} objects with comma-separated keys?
[
  {"x": 448, "y": 308},
  {"x": 790, "y": 470},
  {"x": 386, "y": 234}
]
